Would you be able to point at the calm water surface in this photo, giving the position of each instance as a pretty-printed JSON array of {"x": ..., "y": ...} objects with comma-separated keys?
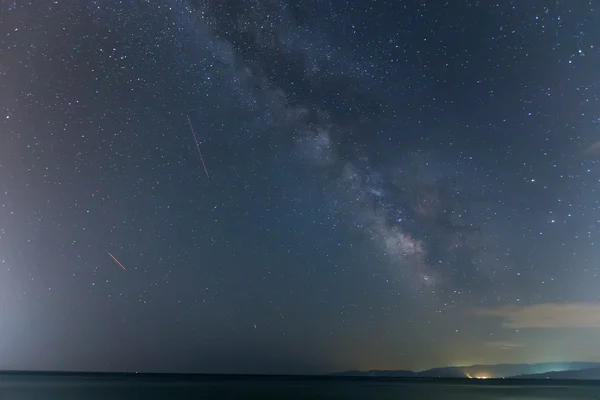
[{"x": 92, "y": 388}]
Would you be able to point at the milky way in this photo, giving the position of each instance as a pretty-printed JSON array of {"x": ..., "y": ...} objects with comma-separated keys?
[{"x": 408, "y": 212}]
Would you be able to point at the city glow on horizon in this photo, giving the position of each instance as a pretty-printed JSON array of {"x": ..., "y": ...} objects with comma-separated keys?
[{"x": 476, "y": 376}]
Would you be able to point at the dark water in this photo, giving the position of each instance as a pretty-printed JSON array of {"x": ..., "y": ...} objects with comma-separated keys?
[{"x": 18, "y": 387}]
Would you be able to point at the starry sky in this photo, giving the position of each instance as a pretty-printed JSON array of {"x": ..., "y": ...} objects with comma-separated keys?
[{"x": 388, "y": 184}]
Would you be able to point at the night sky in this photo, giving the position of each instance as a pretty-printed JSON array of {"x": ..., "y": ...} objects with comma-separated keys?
[{"x": 388, "y": 184}]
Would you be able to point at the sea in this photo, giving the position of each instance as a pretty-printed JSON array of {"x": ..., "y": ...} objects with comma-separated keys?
[{"x": 154, "y": 387}]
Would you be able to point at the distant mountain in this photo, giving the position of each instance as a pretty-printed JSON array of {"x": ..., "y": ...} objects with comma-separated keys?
[
  {"x": 447, "y": 372},
  {"x": 481, "y": 371},
  {"x": 587, "y": 374},
  {"x": 503, "y": 370}
]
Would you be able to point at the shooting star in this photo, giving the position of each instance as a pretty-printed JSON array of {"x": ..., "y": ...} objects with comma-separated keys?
[
  {"x": 117, "y": 261},
  {"x": 198, "y": 147}
]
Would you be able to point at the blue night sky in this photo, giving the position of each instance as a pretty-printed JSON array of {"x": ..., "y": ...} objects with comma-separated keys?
[{"x": 388, "y": 184}]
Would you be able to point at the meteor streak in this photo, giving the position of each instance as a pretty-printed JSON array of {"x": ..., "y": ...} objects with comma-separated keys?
[
  {"x": 198, "y": 147},
  {"x": 117, "y": 261}
]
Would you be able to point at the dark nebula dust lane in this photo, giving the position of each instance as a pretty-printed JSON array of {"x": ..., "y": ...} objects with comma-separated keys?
[{"x": 298, "y": 187}]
